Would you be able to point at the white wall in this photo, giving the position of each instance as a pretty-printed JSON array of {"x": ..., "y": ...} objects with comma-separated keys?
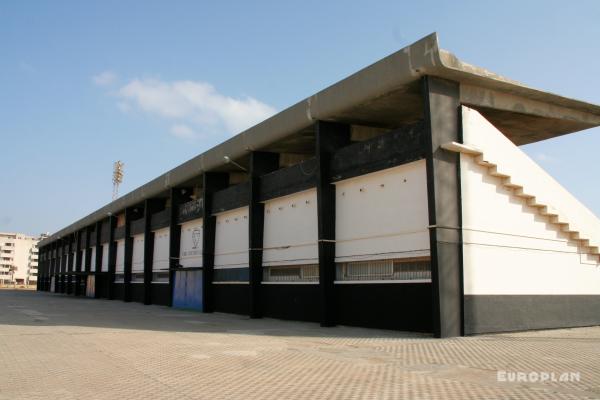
[
  {"x": 120, "y": 264},
  {"x": 104, "y": 266},
  {"x": 508, "y": 247},
  {"x": 160, "y": 260},
  {"x": 190, "y": 248},
  {"x": 93, "y": 261},
  {"x": 511, "y": 161},
  {"x": 137, "y": 262},
  {"x": 383, "y": 215},
  {"x": 291, "y": 230},
  {"x": 231, "y": 240}
]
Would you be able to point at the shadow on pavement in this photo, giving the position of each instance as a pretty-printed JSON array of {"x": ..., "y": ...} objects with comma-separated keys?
[{"x": 40, "y": 309}]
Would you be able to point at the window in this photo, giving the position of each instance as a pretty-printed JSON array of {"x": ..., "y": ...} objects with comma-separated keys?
[
  {"x": 119, "y": 278},
  {"x": 292, "y": 273},
  {"x": 137, "y": 277},
  {"x": 412, "y": 270},
  {"x": 384, "y": 270},
  {"x": 160, "y": 277}
]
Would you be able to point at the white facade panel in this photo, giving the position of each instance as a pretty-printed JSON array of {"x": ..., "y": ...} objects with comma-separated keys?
[
  {"x": 291, "y": 230},
  {"x": 104, "y": 265},
  {"x": 137, "y": 259},
  {"x": 160, "y": 260},
  {"x": 120, "y": 263},
  {"x": 231, "y": 239},
  {"x": 509, "y": 247},
  {"x": 383, "y": 215},
  {"x": 190, "y": 248},
  {"x": 93, "y": 259}
]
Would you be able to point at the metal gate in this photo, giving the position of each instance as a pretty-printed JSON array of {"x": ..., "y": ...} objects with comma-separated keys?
[{"x": 187, "y": 290}]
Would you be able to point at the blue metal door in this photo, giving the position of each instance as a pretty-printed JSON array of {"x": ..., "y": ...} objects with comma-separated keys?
[{"x": 187, "y": 290}]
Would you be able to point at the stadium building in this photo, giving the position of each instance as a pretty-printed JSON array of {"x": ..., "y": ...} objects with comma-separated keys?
[{"x": 396, "y": 198}]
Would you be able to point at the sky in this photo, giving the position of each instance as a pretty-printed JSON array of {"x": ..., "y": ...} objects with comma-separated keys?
[{"x": 154, "y": 83}]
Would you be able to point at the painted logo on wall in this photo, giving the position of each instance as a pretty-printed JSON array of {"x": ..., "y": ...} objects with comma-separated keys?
[
  {"x": 192, "y": 245},
  {"x": 196, "y": 237}
]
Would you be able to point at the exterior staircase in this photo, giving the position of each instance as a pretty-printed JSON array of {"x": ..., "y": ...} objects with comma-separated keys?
[
  {"x": 586, "y": 244},
  {"x": 527, "y": 180}
]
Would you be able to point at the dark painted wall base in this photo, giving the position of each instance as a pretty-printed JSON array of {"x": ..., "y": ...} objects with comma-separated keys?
[
  {"x": 82, "y": 284},
  {"x": 118, "y": 291},
  {"x": 295, "y": 302},
  {"x": 102, "y": 286},
  {"x": 232, "y": 298},
  {"x": 502, "y": 313},
  {"x": 70, "y": 286},
  {"x": 160, "y": 294},
  {"x": 405, "y": 306},
  {"x": 137, "y": 292}
]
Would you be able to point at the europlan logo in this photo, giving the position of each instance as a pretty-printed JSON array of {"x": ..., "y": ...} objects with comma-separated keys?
[{"x": 537, "y": 376}]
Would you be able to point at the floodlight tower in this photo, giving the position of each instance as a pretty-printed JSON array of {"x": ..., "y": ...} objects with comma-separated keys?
[{"x": 117, "y": 177}]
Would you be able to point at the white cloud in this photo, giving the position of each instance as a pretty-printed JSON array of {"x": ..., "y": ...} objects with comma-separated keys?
[
  {"x": 197, "y": 108},
  {"x": 183, "y": 131},
  {"x": 105, "y": 78}
]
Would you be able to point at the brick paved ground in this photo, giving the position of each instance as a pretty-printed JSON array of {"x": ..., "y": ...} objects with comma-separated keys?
[{"x": 58, "y": 347}]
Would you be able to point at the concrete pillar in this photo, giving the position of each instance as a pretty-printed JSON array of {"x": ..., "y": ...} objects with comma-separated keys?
[
  {"x": 442, "y": 124},
  {"x": 261, "y": 163},
  {"x": 329, "y": 137}
]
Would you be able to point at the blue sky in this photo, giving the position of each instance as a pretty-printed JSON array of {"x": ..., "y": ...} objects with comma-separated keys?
[{"x": 152, "y": 83}]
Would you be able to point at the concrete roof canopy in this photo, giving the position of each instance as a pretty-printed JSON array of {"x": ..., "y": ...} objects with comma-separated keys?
[{"x": 384, "y": 94}]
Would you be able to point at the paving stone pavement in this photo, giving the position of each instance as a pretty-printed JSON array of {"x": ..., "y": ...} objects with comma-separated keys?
[{"x": 59, "y": 347}]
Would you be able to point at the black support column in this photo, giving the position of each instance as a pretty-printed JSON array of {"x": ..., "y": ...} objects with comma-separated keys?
[
  {"x": 330, "y": 137},
  {"x": 261, "y": 163},
  {"x": 112, "y": 256},
  {"x": 99, "y": 278},
  {"x": 54, "y": 266},
  {"x": 211, "y": 182},
  {"x": 129, "y": 214},
  {"x": 87, "y": 260},
  {"x": 442, "y": 106},
  {"x": 78, "y": 263},
  {"x": 150, "y": 207},
  {"x": 88, "y": 248},
  {"x": 71, "y": 263},
  {"x": 64, "y": 266}
]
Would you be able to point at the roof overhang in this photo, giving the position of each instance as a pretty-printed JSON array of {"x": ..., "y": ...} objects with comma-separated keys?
[{"x": 387, "y": 94}]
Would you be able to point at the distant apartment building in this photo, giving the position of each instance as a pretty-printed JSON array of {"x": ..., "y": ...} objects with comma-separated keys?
[{"x": 18, "y": 258}]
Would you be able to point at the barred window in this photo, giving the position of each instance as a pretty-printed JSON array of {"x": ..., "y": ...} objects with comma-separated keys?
[
  {"x": 382, "y": 270},
  {"x": 119, "y": 278},
  {"x": 412, "y": 270},
  {"x": 160, "y": 277},
  {"x": 137, "y": 277},
  {"x": 292, "y": 273}
]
